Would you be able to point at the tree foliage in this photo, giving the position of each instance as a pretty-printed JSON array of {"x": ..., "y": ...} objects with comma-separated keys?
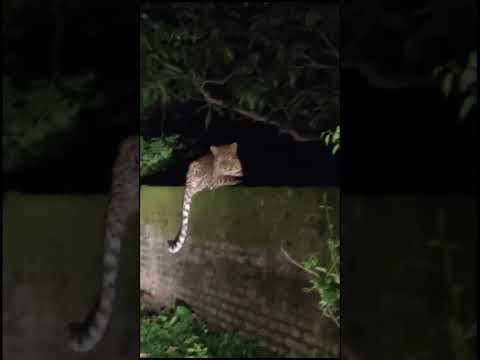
[
  {"x": 36, "y": 113},
  {"x": 324, "y": 275},
  {"x": 396, "y": 44},
  {"x": 156, "y": 153},
  {"x": 275, "y": 63},
  {"x": 50, "y": 79},
  {"x": 460, "y": 78},
  {"x": 179, "y": 333},
  {"x": 332, "y": 138}
]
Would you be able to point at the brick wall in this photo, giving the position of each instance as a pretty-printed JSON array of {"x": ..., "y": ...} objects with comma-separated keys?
[
  {"x": 231, "y": 271},
  {"x": 52, "y": 267}
]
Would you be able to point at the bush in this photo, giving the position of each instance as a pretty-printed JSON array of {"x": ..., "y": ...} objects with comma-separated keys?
[
  {"x": 156, "y": 153},
  {"x": 178, "y": 333}
]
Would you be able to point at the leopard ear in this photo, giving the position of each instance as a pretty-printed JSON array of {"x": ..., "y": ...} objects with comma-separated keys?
[
  {"x": 234, "y": 147},
  {"x": 213, "y": 149}
]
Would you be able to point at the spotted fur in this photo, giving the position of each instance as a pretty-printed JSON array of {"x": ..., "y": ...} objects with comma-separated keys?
[
  {"x": 124, "y": 201},
  {"x": 221, "y": 167}
]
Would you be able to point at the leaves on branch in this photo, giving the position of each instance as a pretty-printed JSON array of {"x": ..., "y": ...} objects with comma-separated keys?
[
  {"x": 37, "y": 112},
  {"x": 253, "y": 59},
  {"x": 460, "y": 79}
]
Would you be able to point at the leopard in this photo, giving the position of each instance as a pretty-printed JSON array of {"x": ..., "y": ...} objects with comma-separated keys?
[
  {"x": 220, "y": 167},
  {"x": 123, "y": 203}
]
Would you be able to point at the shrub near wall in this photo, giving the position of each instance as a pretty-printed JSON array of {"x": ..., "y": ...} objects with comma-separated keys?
[{"x": 231, "y": 271}]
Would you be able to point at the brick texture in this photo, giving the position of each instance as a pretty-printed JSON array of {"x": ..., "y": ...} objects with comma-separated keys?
[{"x": 233, "y": 283}]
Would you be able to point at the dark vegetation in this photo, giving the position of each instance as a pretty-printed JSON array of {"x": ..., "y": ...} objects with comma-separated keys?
[
  {"x": 70, "y": 93},
  {"x": 400, "y": 133},
  {"x": 177, "y": 333},
  {"x": 262, "y": 74},
  {"x": 408, "y": 116}
]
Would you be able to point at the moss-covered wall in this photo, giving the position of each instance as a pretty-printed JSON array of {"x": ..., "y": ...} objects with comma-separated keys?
[
  {"x": 231, "y": 270},
  {"x": 52, "y": 266},
  {"x": 408, "y": 276}
]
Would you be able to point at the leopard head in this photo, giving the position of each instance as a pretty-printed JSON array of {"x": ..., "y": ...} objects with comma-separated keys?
[{"x": 226, "y": 161}]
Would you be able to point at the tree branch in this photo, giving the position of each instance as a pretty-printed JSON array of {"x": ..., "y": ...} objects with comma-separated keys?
[
  {"x": 290, "y": 259},
  {"x": 250, "y": 114},
  {"x": 218, "y": 82}
]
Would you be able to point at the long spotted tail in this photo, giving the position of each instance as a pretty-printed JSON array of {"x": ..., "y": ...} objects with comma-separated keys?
[
  {"x": 176, "y": 244},
  {"x": 84, "y": 336}
]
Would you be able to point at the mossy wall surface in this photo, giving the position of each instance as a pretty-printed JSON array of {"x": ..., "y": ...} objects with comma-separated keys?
[
  {"x": 52, "y": 267},
  {"x": 406, "y": 268},
  {"x": 231, "y": 270},
  {"x": 408, "y": 276}
]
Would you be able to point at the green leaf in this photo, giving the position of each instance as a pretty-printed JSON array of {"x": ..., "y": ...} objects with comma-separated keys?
[
  {"x": 335, "y": 149},
  {"x": 327, "y": 139},
  {"x": 468, "y": 77},
  {"x": 336, "y": 278},
  {"x": 183, "y": 312},
  {"x": 320, "y": 269},
  {"x": 466, "y": 106},
  {"x": 172, "y": 321},
  {"x": 336, "y": 136}
]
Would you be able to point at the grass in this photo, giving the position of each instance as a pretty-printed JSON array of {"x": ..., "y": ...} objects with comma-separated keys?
[{"x": 178, "y": 333}]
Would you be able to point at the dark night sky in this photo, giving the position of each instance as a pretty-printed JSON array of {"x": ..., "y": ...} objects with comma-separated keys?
[{"x": 404, "y": 141}]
